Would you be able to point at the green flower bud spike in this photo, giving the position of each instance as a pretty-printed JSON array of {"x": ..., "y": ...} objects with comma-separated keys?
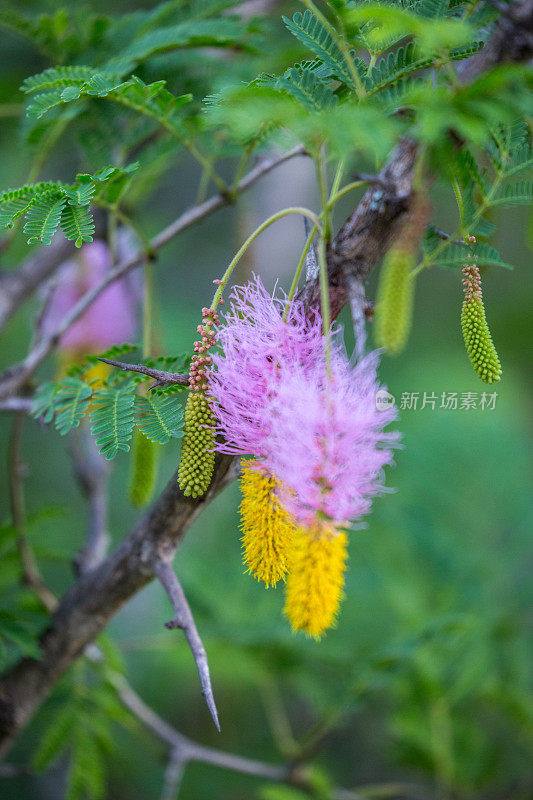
[
  {"x": 478, "y": 341},
  {"x": 143, "y": 470},
  {"x": 394, "y": 307},
  {"x": 197, "y": 449}
]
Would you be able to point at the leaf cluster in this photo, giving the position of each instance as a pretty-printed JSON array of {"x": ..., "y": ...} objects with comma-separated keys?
[{"x": 114, "y": 405}]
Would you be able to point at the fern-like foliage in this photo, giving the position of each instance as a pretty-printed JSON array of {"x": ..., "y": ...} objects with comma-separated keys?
[
  {"x": 70, "y": 404},
  {"x": 77, "y": 224},
  {"x": 160, "y": 417},
  {"x": 113, "y": 419},
  {"x": 48, "y": 204},
  {"x": 312, "y": 33}
]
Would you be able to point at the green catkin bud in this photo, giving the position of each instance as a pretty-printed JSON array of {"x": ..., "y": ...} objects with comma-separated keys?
[
  {"x": 143, "y": 470},
  {"x": 394, "y": 307},
  {"x": 197, "y": 449},
  {"x": 478, "y": 341}
]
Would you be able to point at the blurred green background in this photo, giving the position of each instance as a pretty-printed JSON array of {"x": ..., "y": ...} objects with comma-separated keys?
[{"x": 428, "y": 673}]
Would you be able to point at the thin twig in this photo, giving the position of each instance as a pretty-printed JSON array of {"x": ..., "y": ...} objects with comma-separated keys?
[
  {"x": 161, "y": 377},
  {"x": 92, "y": 472},
  {"x": 15, "y": 376},
  {"x": 16, "y": 473},
  {"x": 190, "y": 750},
  {"x": 183, "y": 619},
  {"x": 173, "y": 775},
  {"x": 446, "y": 236},
  {"x": 373, "y": 180},
  {"x": 23, "y": 404}
]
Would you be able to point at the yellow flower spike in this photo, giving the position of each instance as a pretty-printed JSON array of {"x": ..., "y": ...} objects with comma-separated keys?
[
  {"x": 316, "y": 579},
  {"x": 268, "y": 531}
]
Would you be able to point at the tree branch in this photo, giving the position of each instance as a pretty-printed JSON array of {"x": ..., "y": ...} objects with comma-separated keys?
[
  {"x": 15, "y": 377},
  {"x": 161, "y": 377},
  {"x": 183, "y": 619},
  {"x": 19, "y": 284}
]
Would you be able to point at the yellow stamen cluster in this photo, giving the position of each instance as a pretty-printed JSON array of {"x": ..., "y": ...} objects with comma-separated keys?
[
  {"x": 143, "y": 470},
  {"x": 394, "y": 307},
  {"x": 197, "y": 450},
  {"x": 268, "y": 531},
  {"x": 316, "y": 579},
  {"x": 476, "y": 333}
]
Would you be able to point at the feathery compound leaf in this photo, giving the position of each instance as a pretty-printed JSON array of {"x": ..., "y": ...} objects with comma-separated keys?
[
  {"x": 57, "y": 77},
  {"x": 306, "y": 86},
  {"x": 86, "y": 774},
  {"x": 42, "y": 219},
  {"x": 310, "y": 31},
  {"x": 77, "y": 224},
  {"x": 113, "y": 419},
  {"x": 514, "y": 194},
  {"x": 44, "y": 401},
  {"x": 71, "y": 403},
  {"x": 160, "y": 417},
  {"x": 56, "y": 737},
  {"x": 453, "y": 255}
]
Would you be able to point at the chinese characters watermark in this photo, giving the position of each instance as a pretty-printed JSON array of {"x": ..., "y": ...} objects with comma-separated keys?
[{"x": 448, "y": 401}]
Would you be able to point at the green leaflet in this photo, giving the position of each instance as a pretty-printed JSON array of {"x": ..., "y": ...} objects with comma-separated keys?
[
  {"x": 160, "y": 417},
  {"x": 70, "y": 403},
  {"x": 112, "y": 420},
  {"x": 48, "y": 204},
  {"x": 77, "y": 224}
]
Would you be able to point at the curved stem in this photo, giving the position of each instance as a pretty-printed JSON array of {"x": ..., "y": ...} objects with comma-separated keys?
[
  {"x": 345, "y": 189},
  {"x": 305, "y": 212}
]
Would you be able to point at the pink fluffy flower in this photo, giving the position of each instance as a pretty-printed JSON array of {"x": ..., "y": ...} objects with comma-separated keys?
[
  {"x": 257, "y": 348},
  {"x": 326, "y": 441},
  {"x": 109, "y": 320}
]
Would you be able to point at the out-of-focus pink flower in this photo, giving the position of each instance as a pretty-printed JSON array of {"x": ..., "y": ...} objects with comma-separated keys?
[
  {"x": 257, "y": 348},
  {"x": 109, "y": 320},
  {"x": 326, "y": 442}
]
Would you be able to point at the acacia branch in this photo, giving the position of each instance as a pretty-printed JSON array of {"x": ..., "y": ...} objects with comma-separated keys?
[
  {"x": 161, "y": 377},
  {"x": 15, "y": 377},
  {"x": 183, "y": 619}
]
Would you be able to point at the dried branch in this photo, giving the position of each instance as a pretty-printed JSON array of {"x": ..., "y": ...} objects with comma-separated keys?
[
  {"x": 15, "y": 377},
  {"x": 183, "y": 619},
  {"x": 161, "y": 377}
]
